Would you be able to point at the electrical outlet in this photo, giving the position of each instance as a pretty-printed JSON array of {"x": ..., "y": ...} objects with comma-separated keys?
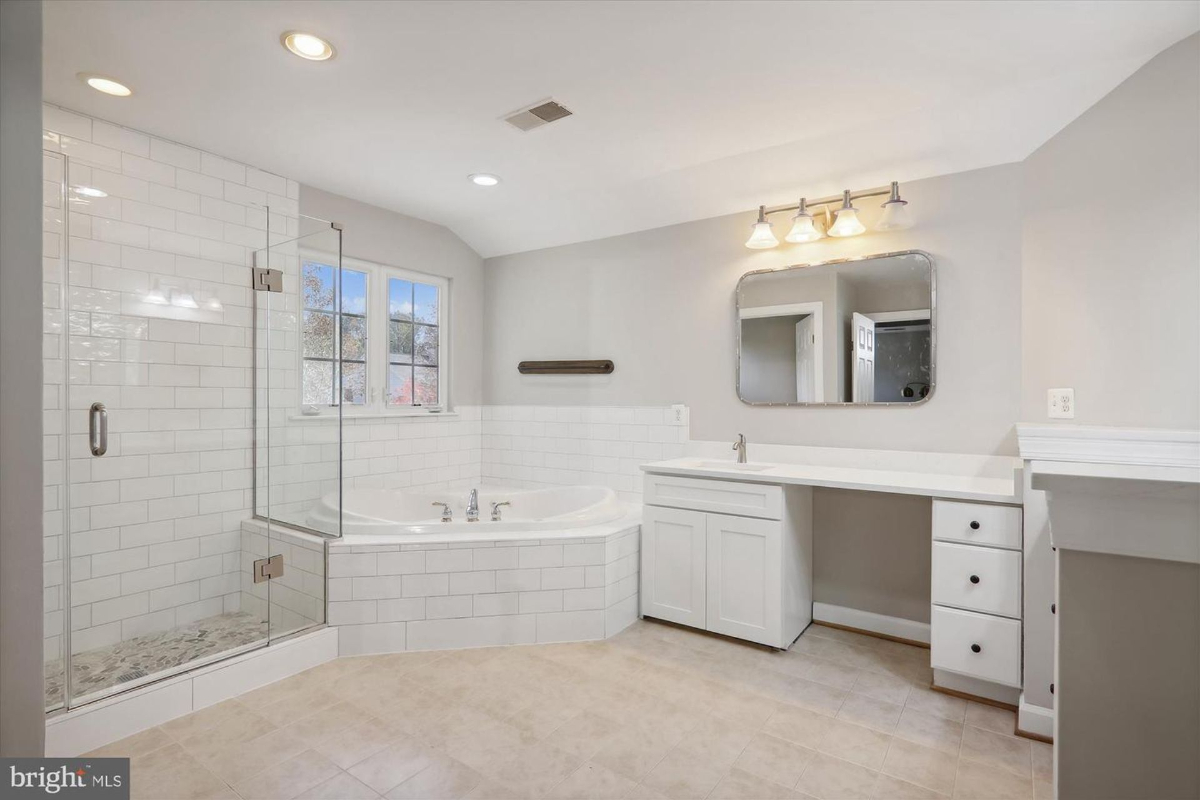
[
  {"x": 678, "y": 415},
  {"x": 1060, "y": 404}
]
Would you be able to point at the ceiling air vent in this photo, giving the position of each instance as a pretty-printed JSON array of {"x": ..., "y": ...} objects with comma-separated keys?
[{"x": 536, "y": 117}]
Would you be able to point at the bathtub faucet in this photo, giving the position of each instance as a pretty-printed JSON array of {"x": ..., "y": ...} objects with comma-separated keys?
[
  {"x": 473, "y": 506},
  {"x": 496, "y": 510},
  {"x": 446, "y": 515}
]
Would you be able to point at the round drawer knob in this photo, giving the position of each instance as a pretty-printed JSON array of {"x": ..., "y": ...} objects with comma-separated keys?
[
  {"x": 976, "y": 648},
  {"x": 974, "y": 525},
  {"x": 974, "y": 579}
]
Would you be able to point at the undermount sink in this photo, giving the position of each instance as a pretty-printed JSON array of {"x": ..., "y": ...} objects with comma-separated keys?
[{"x": 733, "y": 465}]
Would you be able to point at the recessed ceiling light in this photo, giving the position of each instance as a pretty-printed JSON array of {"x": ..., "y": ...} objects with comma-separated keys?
[
  {"x": 88, "y": 191},
  {"x": 106, "y": 85},
  {"x": 483, "y": 179},
  {"x": 308, "y": 46}
]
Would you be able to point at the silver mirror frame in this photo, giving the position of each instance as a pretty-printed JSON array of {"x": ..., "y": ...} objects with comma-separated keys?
[{"x": 737, "y": 307}]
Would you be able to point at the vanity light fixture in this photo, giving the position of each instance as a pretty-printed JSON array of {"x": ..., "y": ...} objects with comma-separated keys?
[
  {"x": 803, "y": 228},
  {"x": 761, "y": 237},
  {"x": 307, "y": 45},
  {"x": 895, "y": 212},
  {"x": 846, "y": 222},
  {"x": 106, "y": 85},
  {"x": 483, "y": 179},
  {"x": 807, "y": 228}
]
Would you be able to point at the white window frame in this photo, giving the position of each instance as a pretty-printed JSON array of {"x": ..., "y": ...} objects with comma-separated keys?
[{"x": 377, "y": 339}]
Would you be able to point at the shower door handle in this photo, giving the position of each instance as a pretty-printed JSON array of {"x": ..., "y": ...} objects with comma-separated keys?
[{"x": 98, "y": 429}]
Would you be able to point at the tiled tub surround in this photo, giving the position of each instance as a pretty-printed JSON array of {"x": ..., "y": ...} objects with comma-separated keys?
[
  {"x": 569, "y": 586},
  {"x": 155, "y": 523},
  {"x": 378, "y": 452},
  {"x": 538, "y": 446},
  {"x": 653, "y": 712}
]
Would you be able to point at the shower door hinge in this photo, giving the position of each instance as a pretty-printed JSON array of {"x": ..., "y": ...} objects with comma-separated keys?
[
  {"x": 267, "y": 280},
  {"x": 267, "y": 568}
]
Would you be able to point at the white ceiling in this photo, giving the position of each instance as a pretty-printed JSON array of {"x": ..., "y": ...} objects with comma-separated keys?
[{"x": 683, "y": 110}]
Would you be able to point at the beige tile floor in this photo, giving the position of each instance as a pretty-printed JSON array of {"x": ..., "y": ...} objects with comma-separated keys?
[{"x": 657, "y": 712}]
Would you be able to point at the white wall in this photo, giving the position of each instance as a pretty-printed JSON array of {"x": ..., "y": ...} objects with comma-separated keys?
[
  {"x": 1111, "y": 254},
  {"x": 21, "y": 696},
  {"x": 660, "y": 304}
]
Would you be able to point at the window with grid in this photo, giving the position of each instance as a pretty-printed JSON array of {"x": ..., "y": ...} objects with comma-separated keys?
[
  {"x": 386, "y": 331},
  {"x": 334, "y": 331},
  {"x": 413, "y": 352}
]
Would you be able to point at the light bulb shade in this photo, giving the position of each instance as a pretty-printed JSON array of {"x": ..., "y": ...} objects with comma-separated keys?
[
  {"x": 761, "y": 237},
  {"x": 896, "y": 216},
  {"x": 803, "y": 229},
  {"x": 846, "y": 223}
]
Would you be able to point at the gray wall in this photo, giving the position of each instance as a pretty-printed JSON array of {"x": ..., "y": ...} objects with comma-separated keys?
[
  {"x": 1111, "y": 255},
  {"x": 22, "y": 709},
  {"x": 769, "y": 359},
  {"x": 385, "y": 237},
  {"x": 873, "y": 552},
  {"x": 660, "y": 304},
  {"x": 1128, "y": 691}
]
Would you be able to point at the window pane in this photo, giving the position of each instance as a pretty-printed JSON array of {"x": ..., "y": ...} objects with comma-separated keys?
[
  {"x": 354, "y": 383},
  {"x": 354, "y": 292},
  {"x": 400, "y": 386},
  {"x": 426, "y": 380},
  {"x": 425, "y": 303},
  {"x": 318, "y": 334},
  {"x": 318, "y": 383},
  {"x": 425, "y": 344},
  {"x": 400, "y": 341},
  {"x": 354, "y": 338},
  {"x": 318, "y": 286},
  {"x": 399, "y": 299}
]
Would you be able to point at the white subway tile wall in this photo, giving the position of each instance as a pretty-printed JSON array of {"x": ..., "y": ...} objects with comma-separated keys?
[
  {"x": 161, "y": 332},
  {"x": 428, "y": 452},
  {"x": 389, "y": 598},
  {"x": 539, "y": 446}
]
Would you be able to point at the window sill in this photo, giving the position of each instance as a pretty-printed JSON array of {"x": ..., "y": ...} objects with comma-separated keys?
[{"x": 374, "y": 415}]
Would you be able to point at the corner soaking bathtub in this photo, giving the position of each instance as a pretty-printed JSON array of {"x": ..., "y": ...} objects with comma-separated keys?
[{"x": 402, "y": 515}]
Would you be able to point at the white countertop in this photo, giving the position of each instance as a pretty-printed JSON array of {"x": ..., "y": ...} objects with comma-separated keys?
[
  {"x": 1119, "y": 491},
  {"x": 840, "y": 476}
]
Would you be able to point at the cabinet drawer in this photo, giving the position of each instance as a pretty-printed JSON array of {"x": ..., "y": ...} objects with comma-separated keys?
[
  {"x": 954, "y": 637},
  {"x": 723, "y": 497},
  {"x": 976, "y": 523},
  {"x": 977, "y": 578}
]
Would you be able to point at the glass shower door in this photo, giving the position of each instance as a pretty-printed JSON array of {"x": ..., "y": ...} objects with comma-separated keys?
[
  {"x": 299, "y": 348},
  {"x": 148, "y": 391}
]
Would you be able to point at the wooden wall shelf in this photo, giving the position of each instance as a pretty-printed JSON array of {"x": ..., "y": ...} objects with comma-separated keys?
[{"x": 601, "y": 367}]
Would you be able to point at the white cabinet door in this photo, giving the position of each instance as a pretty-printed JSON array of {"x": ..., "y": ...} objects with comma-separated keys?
[
  {"x": 673, "y": 552},
  {"x": 745, "y": 593}
]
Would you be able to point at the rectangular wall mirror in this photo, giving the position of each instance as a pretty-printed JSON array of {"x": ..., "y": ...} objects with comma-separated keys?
[{"x": 856, "y": 332}]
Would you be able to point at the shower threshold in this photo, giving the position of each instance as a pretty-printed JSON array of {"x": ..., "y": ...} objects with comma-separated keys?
[{"x": 134, "y": 659}]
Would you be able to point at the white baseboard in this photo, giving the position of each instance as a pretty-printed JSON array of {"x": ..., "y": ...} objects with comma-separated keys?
[
  {"x": 869, "y": 621},
  {"x": 95, "y": 725},
  {"x": 1038, "y": 720}
]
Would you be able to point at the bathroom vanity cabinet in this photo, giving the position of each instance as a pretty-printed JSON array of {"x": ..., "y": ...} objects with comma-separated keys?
[
  {"x": 975, "y": 622},
  {"x": 729, "y": 557},
  {"x": 728, "y": 548}
]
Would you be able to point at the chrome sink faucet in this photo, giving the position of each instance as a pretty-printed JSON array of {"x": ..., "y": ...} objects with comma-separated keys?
[
  {"x": 740, "y": 447},
  {"x": 473, "y": 506}
]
